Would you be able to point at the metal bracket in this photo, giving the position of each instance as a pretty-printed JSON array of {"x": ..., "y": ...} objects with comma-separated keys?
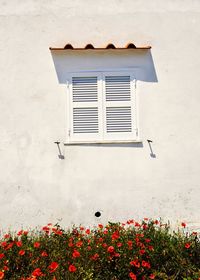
[
  {"x": 59, "y": 150},
  {"x": 151, "y": 150}
]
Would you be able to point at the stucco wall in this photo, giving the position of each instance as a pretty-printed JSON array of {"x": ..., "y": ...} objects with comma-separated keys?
[{"x": 121, "y": 181}]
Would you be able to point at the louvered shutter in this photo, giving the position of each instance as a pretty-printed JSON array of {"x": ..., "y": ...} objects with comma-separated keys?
[
  {"x": 119, "y": 107},
  {"x": 86, "y": 107}
]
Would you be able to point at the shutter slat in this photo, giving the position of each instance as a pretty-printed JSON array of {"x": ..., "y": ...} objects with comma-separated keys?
[
  {"x": 117, "y": 88},
  {"x": 85, "y": 120},
  {"x": 84, "y": 89},
  {"x": 118, "y": 119}
]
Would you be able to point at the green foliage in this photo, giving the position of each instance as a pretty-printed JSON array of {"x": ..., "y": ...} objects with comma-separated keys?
[{"x": 146, "y": 250}]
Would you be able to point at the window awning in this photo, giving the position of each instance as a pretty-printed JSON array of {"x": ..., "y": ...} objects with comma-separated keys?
[{"x": 109, "y": 46}]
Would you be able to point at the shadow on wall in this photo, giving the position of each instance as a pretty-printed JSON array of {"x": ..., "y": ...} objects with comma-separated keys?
[{"x": 138, "y": 61}]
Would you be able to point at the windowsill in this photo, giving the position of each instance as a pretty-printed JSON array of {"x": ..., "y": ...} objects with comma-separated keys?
[{"x": 139, "y": 141}]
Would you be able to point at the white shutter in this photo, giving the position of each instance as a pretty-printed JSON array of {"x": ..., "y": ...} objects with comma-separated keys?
[
  {"x": 119, "y": 107},
  {"x": 86, "y": 108}
]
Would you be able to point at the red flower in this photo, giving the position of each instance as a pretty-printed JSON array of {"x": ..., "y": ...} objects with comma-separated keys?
[
  {"x": 145, "y": 226},
  {"x": 117, "y": 255},
  {"x": 19, "y": 244},
  {"x": 150, "y": 248},
  {"x": 146, "y": 264},
  {"x": 104, "y": 245},
  {"x": 3, "y": 244},
  {"x": 187, "y": 245},
  {"x": 5, "y": 268},
  {"x": 137, "y": 224},
  {"x": 70, "y": 244},
  {"x": 183, "y": 224},
  {"x": 95, "y": 257},
  {"x": 111, "y": 249},
  {"x": 53, "y": 266},
  {"x": 37, "y": 272},
  {"x": 2, "y": 256},
  {"x": 76, "y": 254},
  {"x": 72, "y": 268},
  {"x": 100, "y": 226},
  {"x": 46, "y": 229},
  {"x": 1, "y": 275},
  {"x": 57, "y": 231},
  {"x": 142, "y": 252},
  {"x": 79, "y": 243},
  {"x": 137, "y": 240},
  {"x": 44, "y": 254},
  {"x": 20, "y": 232},
  {"x": 132, "y": 276},
  {"x": 147, "y": 240},
  {"x": 115, "y": 235},
  {"x": 7, "y": 236},
  {"x": 36, "y": 245},
  {"x": 21, "y": 252},
  {"x": 135, "y": 263},
  {"x": 130, "y": 243},
  {"x": 87, "y": 231},
  {"x": 119, "y": 244},
  {"x": 152, "y": 276},
  {"x": 9, "y": 245},
  {"x": 130, "y": 222}
]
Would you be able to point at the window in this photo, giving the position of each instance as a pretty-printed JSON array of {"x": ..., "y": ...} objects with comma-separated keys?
[{"x": 102, "y": 107}]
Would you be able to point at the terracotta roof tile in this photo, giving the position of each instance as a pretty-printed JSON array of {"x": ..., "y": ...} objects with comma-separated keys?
[{"x": 90, "y": 46}]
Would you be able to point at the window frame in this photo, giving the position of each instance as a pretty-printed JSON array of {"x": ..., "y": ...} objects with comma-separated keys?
[{"x": 102, "y": 121}]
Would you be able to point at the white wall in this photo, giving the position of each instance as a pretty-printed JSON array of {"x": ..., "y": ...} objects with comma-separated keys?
[{"x": 121, "y": 181}]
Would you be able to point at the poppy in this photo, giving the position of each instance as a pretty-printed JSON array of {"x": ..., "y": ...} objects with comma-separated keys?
[
  {"x": 87, "y": 231},
  {"x": 19, "y": 243},
  {"x": 36, "y": 245},
  {"x": 135, "y": 263},
  {"x": 111, "y": 249},
  {"x": 76, "y": 254},
  {"x": 95, "y": 257},
  {"x": 187, "y": 245},
  {"x": 21, "y": 252},
  {"x": 53, "y": 266},
  {"x": 37, "y": 272},
  {"x": 132, "y": 276},
  {"x": 2, "y": 255},
  {"x": 44, "y": 254},
  {"x": 72, "y": 268},
  {"x": 115, "y": 235}
]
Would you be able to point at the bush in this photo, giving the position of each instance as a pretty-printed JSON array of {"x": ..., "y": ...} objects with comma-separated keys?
[{"x": 146, "y": 250}]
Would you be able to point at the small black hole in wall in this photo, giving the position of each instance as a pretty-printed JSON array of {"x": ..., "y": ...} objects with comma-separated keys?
[{"x": 97, "y": 214}]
